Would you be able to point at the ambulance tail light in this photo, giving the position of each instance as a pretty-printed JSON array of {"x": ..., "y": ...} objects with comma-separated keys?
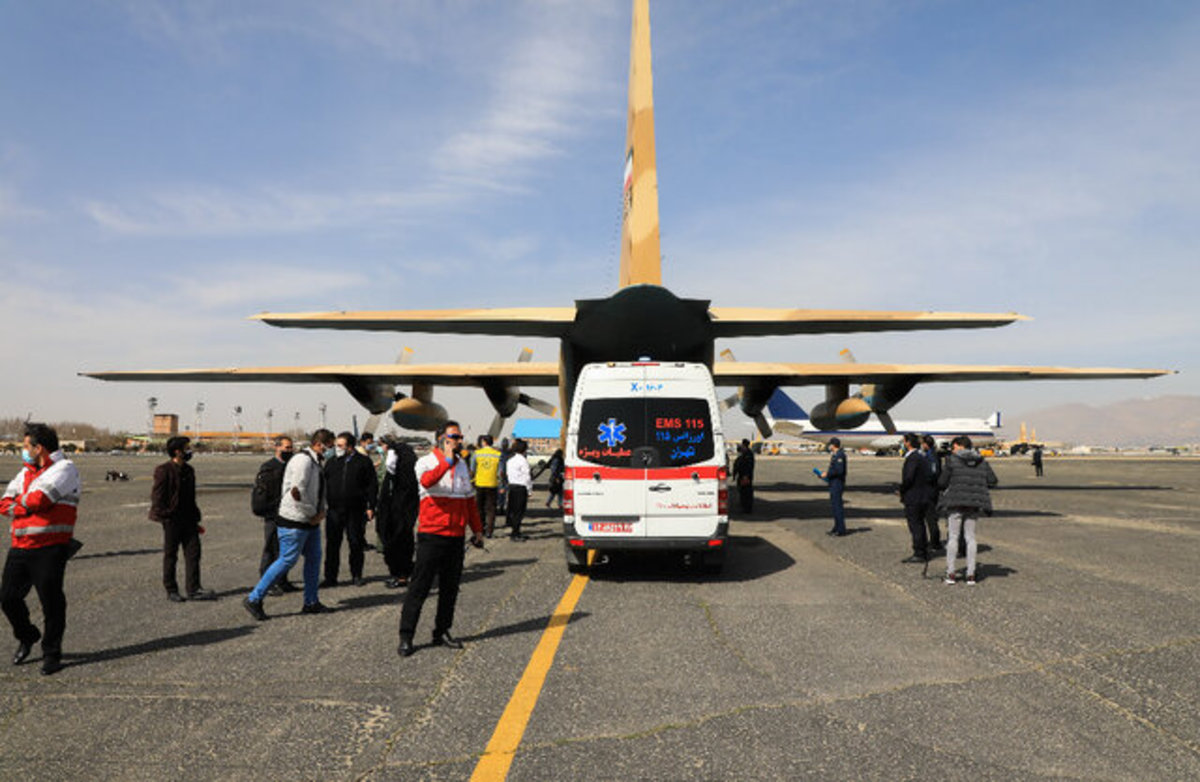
[
  {"x": 575, "y": 542},
  {"x": 716, "y": 543},
  {"x": 568, "y": 498}
]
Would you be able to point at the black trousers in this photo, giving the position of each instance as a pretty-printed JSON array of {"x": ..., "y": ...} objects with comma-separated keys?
[
  {"x": 438, "y": 556},
  {"x": 41, "y": 569},
  {"x": 518, "y": 500},
  {"x": 746, "y": 497},
  {"x": 270, "y": 551},
  {"x": 931, "y": 524},
  {"x": 398, "y": 547},
  {"x": 186, "y": 535},
  {"x": 353, "y": 525},
  {"x": 915, "y": 515},
  {"x": 485, "y": 498}
]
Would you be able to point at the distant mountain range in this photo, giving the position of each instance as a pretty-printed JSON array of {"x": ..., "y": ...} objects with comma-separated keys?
[{"x": 1164, "y": 420}]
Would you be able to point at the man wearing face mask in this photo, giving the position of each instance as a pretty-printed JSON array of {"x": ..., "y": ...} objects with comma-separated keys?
[
  {"x": 42, "y": 500},
  {"x": 173, "y": 504},
  {"x": 264, "y": 502},
  {"x": 353, "y": 489},
  {"x": 301, "y": 511},
  {"x": 447, "y": 508}
]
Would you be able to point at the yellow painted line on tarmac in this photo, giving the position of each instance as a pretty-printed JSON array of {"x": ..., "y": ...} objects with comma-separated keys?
[{"x": 502, "y": 748}]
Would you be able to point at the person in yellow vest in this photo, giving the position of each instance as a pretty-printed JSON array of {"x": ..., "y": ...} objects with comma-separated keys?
[{"x": 485, "y": 469}]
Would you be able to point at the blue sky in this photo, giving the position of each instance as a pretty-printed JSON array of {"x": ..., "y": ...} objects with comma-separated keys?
[{"x": 167, "y": 169}]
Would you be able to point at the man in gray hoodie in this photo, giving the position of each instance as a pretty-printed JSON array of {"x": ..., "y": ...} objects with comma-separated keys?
[
  {"x": 301, "y": 509},
  {"x": 965, "y": 484}
]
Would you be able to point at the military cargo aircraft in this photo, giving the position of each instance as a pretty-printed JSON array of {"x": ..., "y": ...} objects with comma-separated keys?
[{"x": 641, "y": 320}]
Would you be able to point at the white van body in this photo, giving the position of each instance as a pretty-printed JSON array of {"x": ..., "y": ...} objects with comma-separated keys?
[{"x": 645, "y": 462}]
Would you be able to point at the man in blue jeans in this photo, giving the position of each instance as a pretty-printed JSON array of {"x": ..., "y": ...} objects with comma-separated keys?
[
  {"x": 301, "y": 509},
  {"x": 835, "y": 476}
]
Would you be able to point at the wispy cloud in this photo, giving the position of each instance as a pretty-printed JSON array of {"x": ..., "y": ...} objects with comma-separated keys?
[
  {"x": 543, "y": 92},
  {"x": 197, "y": 210}
]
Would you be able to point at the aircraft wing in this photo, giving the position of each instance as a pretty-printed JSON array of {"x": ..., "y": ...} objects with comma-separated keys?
[
  {"x": 739, "y": 373},
  {"x": 510, "y": 321},
  {"x": 514, "y": 373},
  {"x": 762, "y": 321}
]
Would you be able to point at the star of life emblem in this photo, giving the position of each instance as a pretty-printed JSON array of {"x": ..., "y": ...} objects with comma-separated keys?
[{"x": 612, "y": 433}]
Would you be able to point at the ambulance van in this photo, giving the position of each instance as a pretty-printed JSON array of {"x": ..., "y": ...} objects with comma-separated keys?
[{"x": 645, "y": 463}]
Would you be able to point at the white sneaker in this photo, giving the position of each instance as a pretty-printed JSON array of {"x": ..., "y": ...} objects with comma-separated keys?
[
  {"x": 950, "y": 579},
  {"x": 970, "y": 579}
]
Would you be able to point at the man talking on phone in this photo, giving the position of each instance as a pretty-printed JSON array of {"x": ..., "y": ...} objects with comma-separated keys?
[{"x": 447, "y": 509}]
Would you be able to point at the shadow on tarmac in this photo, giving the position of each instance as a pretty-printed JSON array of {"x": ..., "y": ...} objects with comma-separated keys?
[
  {"x": 195, "y": 638},
  {"x": 130, "y": 552},
  {"x": 749, "y": 558},
  {"x": 524, "y": 626}
]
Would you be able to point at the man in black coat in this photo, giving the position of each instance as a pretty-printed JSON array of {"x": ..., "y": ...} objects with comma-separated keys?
[
  {"x": 399, "y": 501},
  {"x": 173, "y": 505},
  {"x": 352, "y": 490},
  {"x": 743, "y": 476},
  {"x": 264, "y": 502},
  {"x": 915, "y": 493}
]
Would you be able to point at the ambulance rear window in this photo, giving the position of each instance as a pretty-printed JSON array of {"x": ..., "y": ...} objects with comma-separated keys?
[{"x": 645, "y": 432}]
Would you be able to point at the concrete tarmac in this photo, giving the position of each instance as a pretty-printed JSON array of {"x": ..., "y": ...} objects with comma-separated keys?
[{"x": 810, "y": 657}]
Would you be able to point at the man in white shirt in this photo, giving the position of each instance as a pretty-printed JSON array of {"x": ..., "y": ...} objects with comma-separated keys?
[{"x": 520, "y": 483}]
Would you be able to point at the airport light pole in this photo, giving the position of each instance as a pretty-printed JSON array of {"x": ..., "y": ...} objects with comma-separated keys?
[
  {"x": 152, "y": 403},
  {"x": 321, "y": 408},
  {"x": 267, "y": 439},
  {"x": 199, "y": 422},
  {"x": 237, "y": 426},
  {"x": 297, "y": 425}
]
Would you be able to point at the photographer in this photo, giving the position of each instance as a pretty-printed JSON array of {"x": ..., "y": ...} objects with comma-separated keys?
[{"x": 447, "y": 508}]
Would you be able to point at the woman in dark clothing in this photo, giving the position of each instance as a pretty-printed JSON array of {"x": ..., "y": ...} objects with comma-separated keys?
[
  {"x": 397, "y": 514},
  {"x": 557, "y": 467}
]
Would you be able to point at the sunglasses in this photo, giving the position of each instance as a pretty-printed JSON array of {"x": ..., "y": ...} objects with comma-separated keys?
[{"x": 454, "y": 437}]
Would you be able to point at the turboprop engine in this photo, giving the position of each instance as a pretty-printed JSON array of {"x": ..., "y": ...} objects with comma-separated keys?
[
  {"x": 842, "y": 411},
  {"x": 423, "y": 415}
]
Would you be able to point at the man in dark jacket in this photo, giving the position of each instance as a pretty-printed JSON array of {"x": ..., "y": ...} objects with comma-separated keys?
[
  {"x": 743, "y": 476},
  {"x": 915, "y": 492},
  {"x": 264, "y": 502},
  {"x": 930, "y": 451},
  {"x": 397, "y": 513},
  {"x": 353, "y": 489},
  {"x": 173, "y": 504},
  {"x": 965, "y": 484},
  {"x": 835, "y": 476}
]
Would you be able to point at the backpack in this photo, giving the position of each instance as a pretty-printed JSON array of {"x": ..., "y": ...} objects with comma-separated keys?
[{"x": 264, "y": 497}]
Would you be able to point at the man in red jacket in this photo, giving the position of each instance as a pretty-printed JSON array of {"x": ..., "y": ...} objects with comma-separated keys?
[
  {"x": 42, "y": 500},
  {"x": 447, "y": 509}
]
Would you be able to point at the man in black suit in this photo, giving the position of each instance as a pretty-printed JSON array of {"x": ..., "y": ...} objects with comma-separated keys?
[
  {"x": 915, "y": 493},
  {"x": 353, "y": 488}
]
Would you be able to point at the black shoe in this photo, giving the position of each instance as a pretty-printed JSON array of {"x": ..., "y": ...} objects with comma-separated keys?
[
  {"x": 287, "y": 586},
  {"x": 841, "y": 534},
  {"x": 202, "y": 594},
  {"x": 255, "y": 608},
  {"x": 275, "y": 591},
  {"x": 175, "y": 597},
  {"x": 51, "y": 665},
  {"x": 915, "y": 559},
  {"x": 360, "y": 581},
  {"x": 23, "y": 650},
  {"x": 329, "y": 583},
  {"x": 405, "y": 648},
  {"x": 316, "y": 608},
  {"x": 447, "y": 640},
  {"x": 518, "y": 537},
  {"x": 395, "y": 583}
]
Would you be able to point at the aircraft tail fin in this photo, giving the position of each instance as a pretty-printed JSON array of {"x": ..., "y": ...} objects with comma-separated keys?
[
  {"x": 641, "y": 260},
  {"x": 782, "y": 407},
  {"x": 993, "y": 420}
]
